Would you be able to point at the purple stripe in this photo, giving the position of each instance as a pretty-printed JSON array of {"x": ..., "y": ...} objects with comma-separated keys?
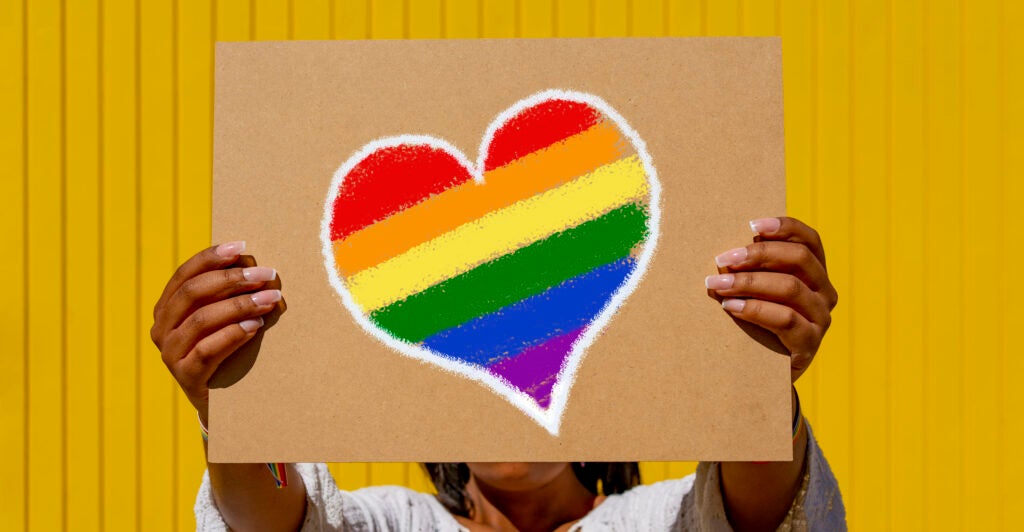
[{"x": 535, "y": 369}]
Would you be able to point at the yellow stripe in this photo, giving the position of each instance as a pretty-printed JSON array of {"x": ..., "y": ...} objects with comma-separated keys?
[{"x": 499, "y": 233}]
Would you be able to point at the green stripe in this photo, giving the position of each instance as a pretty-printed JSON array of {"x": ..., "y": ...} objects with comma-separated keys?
[{"x": 508, "y": 279}]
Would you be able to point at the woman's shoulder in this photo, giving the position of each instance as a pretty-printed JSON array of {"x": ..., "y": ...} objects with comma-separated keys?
[{"x": 649, "y": 506}]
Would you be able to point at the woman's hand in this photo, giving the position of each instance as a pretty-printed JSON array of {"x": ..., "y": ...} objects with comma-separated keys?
[
  {"x": 209, "y": 308},
  {"x": 780, "y": 283}
]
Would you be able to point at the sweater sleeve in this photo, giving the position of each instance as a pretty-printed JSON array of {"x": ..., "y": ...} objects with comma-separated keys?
[
  {"x": 371, "y": 509},
  {"x": 818, "y": 504}
]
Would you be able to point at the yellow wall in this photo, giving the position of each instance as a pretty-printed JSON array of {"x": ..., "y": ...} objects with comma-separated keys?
[{"x": 905, "y": 147}]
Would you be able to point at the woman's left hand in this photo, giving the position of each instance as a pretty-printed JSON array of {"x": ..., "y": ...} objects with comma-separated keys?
[{"x": 780, "y": 283}]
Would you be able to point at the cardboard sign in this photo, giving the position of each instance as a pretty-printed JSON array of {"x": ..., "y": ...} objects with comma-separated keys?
[{"x": 495, "y": 249}]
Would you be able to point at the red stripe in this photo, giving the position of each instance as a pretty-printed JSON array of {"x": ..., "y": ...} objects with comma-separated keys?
[
  {"x": 389, "y": 180},
  {"x": 538, "y": 127}
]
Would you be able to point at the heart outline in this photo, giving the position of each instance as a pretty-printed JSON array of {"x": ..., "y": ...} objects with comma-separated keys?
[{"x": 550, "y": 418}]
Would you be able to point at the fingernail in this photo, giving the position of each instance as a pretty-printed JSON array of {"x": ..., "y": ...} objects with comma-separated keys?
[
  {"x": 765, "y": 226},
  {"x": 719, "y": 282},
  {"x": 731, "y": 257},
  {"x": 231, "y": 249},
  {"x": 257, "y": 274},
  {"x": 251, "y": 325},
  {"x": 734, "y": 305},
  {"x": 266, "y": 297}
]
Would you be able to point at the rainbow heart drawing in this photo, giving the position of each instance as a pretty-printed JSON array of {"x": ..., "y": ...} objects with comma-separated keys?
[{"x": 504, "y": 271}]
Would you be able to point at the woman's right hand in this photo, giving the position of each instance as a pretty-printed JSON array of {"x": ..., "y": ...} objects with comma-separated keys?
[{"x": 211, "y": 306}]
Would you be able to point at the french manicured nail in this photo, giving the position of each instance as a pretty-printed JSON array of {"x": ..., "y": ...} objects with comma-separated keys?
[
  {"x": 734, "y": 305},
  {"x": 765, "y": 226},
  {"x": 719, "y": 282},
  {"x": 251, "y": 325},
  {"x": 258, "y": 274},
  {"x": 266, "y": 297},
  {"x": 731, "y": 257},
  {"x": 229, "y": 250}
]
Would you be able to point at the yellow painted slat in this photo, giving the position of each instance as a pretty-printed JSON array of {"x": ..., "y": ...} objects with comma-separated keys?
[
  {"x": 982, "y": 249},
  {"x": 832, "y": 189},
  {"x": 388, "y": 473},
  {"x": 944, "y": 340},
  {"x": 907, "y": 251},
  {"x": 82, "y": 248},
  {"x": 426, "y": 19},
  {"x": 157, "y": 258},
  {"x": 387, "y": 19},
  {"x": 686, "y": 18},
  {"x": 462, "y": 19},
  {"x": 271, "y": 20},
  {"x": 46, "y": 308},
  {"x": 869, "y": 255},
  {"x": 1011, "y": 366},
  {"x": 498, "y": 19},
  {"x": 573, "y": 18},
  {"x": 350, "y": 19},
  {"x": 311, "y": 19},
  {"x": 760, "y": 17},
  {"x": 120, "y": 299},
  {"x": 13, "y": 315},
  {"x": 196, "y": 31},
  {"x": 538, "y": 18},
  {"x": 234, "y": 19},
  {"x": 612, "y": 18},
  {"x": 648, "y": 18},
  {"x": 723, "y": 17}
]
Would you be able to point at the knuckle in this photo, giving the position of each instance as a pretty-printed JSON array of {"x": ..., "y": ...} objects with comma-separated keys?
[
  {"x": 790, "y": 319},
  {"x": 203, "y": 352},
  {"x": 189, "y": 289},
  {"x": 757, "y": 252},
  {"x": 198, "y": 321},
  {"x": 241, "y": 304},
  {"x": 744, "y": 282},
  {"x": 804, "y": 255},
  {"x": 154, "y": 336},
  {"x": 792, "y": 287}
]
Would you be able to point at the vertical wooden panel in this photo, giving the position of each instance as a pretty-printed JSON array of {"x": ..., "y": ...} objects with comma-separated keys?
[
  {"x": 193, "y": 136},
  {"x": 13, "y": 315},
  {"x": 1011, "y": 140},
  {"x": 498, "y": 19},
  {"x": 157, "y": 255},
  {"x": 944, "y": 343},
  {"x": 832, "y": 192},
  {"x": 462, "y": 19},
  {"x": 82, "y": 262},
  {"x": 538, "y": 18},
  {"x": 573, "y": 18},
  {"x": 311, "y": 20},
  {"x": 612, "y": 18},
  {"x": 648, "y": 18},
  {"x": 387, "y": 17},
  {"x": 982, "y": 249},
  {"x": 426, "y": 19},
  {"x": 869, "y": 254},
  {"x": 723, "y": 17},
  {"x": 759, "y": 17},
  {"x": 119, "y": 207},
  {"x": 46, "y": 309},
  {"x": 687, "y": 18},
  {"x": 908, "y": 259},
  {"x": 271, "y": 20}
]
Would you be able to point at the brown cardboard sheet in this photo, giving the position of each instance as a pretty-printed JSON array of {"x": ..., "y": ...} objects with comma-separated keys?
[{"x": 671, "y": 377}]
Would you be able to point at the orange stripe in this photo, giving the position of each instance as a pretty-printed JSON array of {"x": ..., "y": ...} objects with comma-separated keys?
[{"x": 521, "y": 179}]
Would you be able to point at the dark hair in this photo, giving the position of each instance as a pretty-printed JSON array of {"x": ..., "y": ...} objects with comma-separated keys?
[{"x": 600, "y": 478}]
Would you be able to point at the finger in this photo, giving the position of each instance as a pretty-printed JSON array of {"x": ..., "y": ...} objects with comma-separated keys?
[
  {"x": 211, "y": 258},
  {"x": 202, "y": 361},
  {"x": 210, "y": 287},
  {"x": 790, "y": 230},
  {"x": 215, "y": 316},
  {"x": 783, "y": 257},
  {"x": 797, "y": 333},
  {"x": 780, "y": 288}
]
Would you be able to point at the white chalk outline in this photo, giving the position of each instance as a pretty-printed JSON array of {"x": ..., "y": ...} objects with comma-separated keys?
[{"x": 550, "y": 418}]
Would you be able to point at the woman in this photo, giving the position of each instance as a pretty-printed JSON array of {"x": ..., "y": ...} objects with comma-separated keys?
[{"x": 212, "y": 306}]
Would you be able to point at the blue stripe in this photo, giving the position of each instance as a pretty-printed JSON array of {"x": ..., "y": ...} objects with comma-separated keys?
[{"x": 556, "y": 311}]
